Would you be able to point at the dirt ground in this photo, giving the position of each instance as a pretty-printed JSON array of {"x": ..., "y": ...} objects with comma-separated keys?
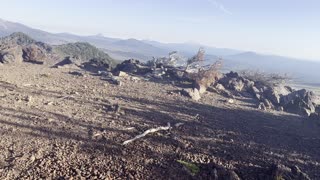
[{"x": 55, "y": 125}]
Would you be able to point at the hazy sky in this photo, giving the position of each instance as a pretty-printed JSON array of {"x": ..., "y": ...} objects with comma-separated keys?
[{"x": 284, "y": 27}]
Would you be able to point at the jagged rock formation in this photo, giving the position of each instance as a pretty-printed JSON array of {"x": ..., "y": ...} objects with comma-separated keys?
[
  {"x": 270, "y": 96},
  {"x": 275, "y": 97}
]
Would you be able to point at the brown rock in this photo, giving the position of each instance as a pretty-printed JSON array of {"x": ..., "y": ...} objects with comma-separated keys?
[
  {"x": 11, "y": 55},
  {"x": 192, "y": 93},
  {"x": 34, "y": 54}
]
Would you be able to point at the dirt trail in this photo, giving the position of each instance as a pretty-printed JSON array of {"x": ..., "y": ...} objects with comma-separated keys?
[{"x": 57, "y": 125}]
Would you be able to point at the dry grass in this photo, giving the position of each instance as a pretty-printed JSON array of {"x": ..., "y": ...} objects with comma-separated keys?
[
  {"x": 267, "y": 79},
  {"x": 206, "y": 77}
]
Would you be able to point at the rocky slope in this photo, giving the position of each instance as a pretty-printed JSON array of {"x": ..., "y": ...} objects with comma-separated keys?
[{"x": 62, "y": 123}]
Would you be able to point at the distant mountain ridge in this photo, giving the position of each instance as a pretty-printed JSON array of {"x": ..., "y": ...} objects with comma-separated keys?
[{"x": 121, "y": 49}]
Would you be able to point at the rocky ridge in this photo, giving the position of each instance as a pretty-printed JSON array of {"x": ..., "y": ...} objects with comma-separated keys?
[{"x": 19, "y": 47}]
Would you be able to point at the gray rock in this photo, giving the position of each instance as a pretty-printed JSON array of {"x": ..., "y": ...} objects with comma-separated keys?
[
  {"x": 299, "y": 102},
  {"x": 272, "y": 95},
  {"x": 255, "y": 92},
  {"x": 133, "y": 66},
  {"x": 192, "y": 93},
  {"x": 236, "y": 84},
  {"x": 262, "y": 106},
  {"x": 232, "y": 75},
  {"x": 121, "y": 74},
  {"x": 268, "y": 104},
  {"x": 220, "y": 87},
  {"x": 248, "y": 84}
]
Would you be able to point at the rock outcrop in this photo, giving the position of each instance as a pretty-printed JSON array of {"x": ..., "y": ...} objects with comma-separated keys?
[
  {"x": 302, "y": 102},
  {"x": 275, "y": 97},
  {"x": 11, "y": 54},
  {"x": 18, "y": 47},
  {"x": 35, "y": 54},
  {"x": 133, "y": 66}
]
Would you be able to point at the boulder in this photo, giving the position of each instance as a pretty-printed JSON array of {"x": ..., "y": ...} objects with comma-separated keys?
[
  {"x": 255, "y": 92},
  {"x": 133, "y": 66},
  {"x": 69, "y": 61},
  {"x": 299, "y": 102},
  {"x": 121, "y": 74},
  {"x": 268, "y": 104},
  {"x": 232, "y": 75},
  {"x": 262, "y": 106},
  {"x": 34, "y": 54},
  {"x": 11, "y": 55},
  {"x": 248, "y": 84},
  {"x": 192, "y": 93},
  {"x": 158, "y": 72},
  {"x": 232, "y": 81},
  {"x": 272, "y": 95},
  {"x": 220, "y": 87},
  {"x": 236, "y": 84}
]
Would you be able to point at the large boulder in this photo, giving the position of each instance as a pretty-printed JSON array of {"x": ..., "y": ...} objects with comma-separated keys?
[
  {"x": 300, "y": 102},
  {"x": 67, "y": 61},
  {"x": 272, "y": 95},
  {"x": 34, "y": 54},
  {"x": 232, "y": 75},
  {"x": 236, "y": 84},
  {"x": 133, "y": 66},
  {"x": 233, "y": 81},
  {"x": 11, "y": 55}
]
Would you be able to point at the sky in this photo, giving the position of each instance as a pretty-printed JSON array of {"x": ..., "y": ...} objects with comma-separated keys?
[{"x": 283, "y": 27}]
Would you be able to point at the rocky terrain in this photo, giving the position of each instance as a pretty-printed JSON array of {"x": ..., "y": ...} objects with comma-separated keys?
[
  {"x": 19, "y": 47},
  {"x": 60, "y": 120}
]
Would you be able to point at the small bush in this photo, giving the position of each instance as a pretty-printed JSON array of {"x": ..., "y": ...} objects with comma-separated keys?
[
  {"x": 206, "y": 77},
  {"x": 192, "y": 168}
]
